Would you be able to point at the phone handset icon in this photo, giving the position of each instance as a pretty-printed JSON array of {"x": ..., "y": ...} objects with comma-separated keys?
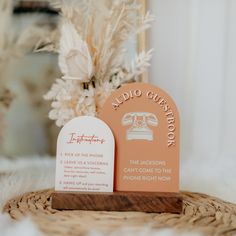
[{"x": 139, "y": 122}]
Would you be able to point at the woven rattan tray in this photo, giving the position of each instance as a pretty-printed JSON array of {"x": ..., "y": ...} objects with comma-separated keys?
[{"x": 201, "y": 213}]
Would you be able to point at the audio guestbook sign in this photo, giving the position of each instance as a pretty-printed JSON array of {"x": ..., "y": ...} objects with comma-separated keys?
[{"x": 145, "y": 123}]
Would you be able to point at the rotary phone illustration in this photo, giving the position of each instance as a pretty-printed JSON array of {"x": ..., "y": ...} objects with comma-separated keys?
[{"x": 140, "y": 122}]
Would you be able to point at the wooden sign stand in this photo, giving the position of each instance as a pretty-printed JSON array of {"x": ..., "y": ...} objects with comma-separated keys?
[
  {"x": 143, "y": 121},
  {"x": 150, "y": 202}
]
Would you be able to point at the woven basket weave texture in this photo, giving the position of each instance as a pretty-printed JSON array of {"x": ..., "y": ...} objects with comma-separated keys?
[{"x": 201, "y": 213}]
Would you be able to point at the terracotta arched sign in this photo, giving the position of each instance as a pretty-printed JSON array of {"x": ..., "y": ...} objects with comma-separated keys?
[
  {"x": 85, "y": 156},
  {"x": 145, "y": 122}
]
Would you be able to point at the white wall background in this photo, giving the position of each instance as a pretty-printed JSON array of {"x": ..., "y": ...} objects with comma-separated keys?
[{"x": 195, "y": 62}]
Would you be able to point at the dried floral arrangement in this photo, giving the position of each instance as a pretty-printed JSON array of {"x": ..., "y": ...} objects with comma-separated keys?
[{"x": 91, "y": 48}]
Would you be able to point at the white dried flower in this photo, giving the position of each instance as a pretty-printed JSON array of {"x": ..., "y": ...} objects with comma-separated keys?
[
  {"x": 69, "y": 100},
  {"x": 86, "y": 103},
  {"x": 119, "y": 78},
  {"x": 102, "y": 92},
  {"x": 75, "y": 60}
]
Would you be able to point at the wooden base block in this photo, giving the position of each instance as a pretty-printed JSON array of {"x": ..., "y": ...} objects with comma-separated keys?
[{"x": 118, "y": 201}]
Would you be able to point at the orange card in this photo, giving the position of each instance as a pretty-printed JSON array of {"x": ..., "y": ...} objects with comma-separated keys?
[{"x": 145, "y": 122}]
